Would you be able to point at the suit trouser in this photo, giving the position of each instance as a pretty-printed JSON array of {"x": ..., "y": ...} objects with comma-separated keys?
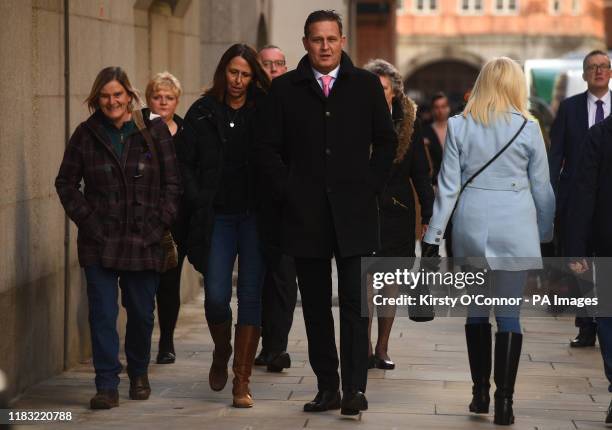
[
  {"x": 315, "y": 283},
  {"x": 278, "y": 305}
]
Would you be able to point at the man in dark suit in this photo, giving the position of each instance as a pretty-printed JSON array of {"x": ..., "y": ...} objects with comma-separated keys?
[
  {"x": 590, "y": 209},
  {"x": 279, "y": 292},
  {"x": 574, "y": 118},
  {"x": 327, "y": 145}
]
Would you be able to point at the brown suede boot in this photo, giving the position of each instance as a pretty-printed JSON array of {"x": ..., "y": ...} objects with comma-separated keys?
[
  {"x": 245, "y": 344},
  {"x": 222, "y": 336}
]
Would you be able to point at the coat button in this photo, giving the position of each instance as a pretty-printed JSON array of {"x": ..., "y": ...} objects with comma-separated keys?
[
  {"x": 328, "y": 151},
  {"x": 437, "y": 240},
  {"x": 329, "y": 189},
  {"x": 439, "y": 232},
  {"x": 513, "y": 184},
  {"x": 328, "y": 113}
]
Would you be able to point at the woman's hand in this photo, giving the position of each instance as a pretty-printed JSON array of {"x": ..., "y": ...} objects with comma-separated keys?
[
  {"x": 578, "y": 266},
  {"x": 423, "y": 230}
]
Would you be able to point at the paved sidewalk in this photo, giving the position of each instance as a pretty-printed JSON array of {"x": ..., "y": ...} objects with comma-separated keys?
[{"x": 558, "y": 387}]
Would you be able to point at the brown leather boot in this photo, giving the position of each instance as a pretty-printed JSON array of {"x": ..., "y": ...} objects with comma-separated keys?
[
  {"x": 222, "y": 336},
  {"x": 139, "y": 387},
  {"x": 105, "y": 399},
  {"x": 245, "y": 344}
]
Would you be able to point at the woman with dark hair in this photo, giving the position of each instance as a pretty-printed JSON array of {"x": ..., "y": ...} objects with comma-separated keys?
[
  {"x": 398, "y": 216},
  {"x": 130, "y": 199},
  {"x": 214, "y": 151}
]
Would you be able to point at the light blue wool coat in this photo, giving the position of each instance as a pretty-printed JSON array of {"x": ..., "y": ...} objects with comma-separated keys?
[{"x": 509, "y": 208}]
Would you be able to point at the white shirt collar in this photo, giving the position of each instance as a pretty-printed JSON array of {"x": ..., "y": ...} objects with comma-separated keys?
[
  {"x": 333, "y": 73},
  {"x": 606, "y": 98}
]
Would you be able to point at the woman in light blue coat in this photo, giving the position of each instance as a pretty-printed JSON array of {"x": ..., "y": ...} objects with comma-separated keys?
[{"x": 503, "y": 214}]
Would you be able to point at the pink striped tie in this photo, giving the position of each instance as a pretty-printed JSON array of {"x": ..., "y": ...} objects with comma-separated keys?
[{"x": 326, "y": 80}]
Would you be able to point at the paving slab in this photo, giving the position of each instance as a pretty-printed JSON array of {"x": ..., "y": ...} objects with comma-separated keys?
[{"x": 557, "y": 388}]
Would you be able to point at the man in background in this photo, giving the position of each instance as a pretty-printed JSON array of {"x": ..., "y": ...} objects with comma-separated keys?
[{"x": 279, "y": 293}]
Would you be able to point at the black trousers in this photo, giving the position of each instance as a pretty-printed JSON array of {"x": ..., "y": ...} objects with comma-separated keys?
[
  {"x": 315, "y": 283},
  {"x": 168, "y": 304},
  {"x": 279, "y": 296}
]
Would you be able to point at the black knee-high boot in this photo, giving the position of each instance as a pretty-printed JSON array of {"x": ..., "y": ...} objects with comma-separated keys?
[
  {"x": 478, "y": 339},
  {"x": 507, "y": 354}
]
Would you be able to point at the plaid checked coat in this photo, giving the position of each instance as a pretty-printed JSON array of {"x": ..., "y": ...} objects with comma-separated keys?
[{"x": 127, "y": 203}]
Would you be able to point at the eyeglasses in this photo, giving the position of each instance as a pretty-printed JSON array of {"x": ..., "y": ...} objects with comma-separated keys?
[
  {"x": 277, "y": 63},
  {"x": 597, "y": 67}
]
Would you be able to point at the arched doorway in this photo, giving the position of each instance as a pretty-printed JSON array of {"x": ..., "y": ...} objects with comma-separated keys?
[{"x": 452, "y": 77}]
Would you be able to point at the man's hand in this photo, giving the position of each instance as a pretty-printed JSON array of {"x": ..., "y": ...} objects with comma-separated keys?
[{"x": 423, "y": 230}]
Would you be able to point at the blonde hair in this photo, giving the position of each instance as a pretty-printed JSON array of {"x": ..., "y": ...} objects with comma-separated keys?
[
  {"x": 499, "y": 87},
  {"x": 163, "y": 80}
]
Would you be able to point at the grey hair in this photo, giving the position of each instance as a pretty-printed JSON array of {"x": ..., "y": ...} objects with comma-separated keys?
[{"x": 381, "y": 67}]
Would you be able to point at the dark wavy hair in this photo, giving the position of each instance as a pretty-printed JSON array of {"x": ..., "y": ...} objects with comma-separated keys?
[{"x": 260, "y": 77}]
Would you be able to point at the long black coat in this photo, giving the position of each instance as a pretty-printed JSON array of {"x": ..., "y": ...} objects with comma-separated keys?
[
  {"x": 326, "y": 159},
  {"x": 200, "y": 151},
  {"x": 397, "y": 204},
  {"x": 589, "y": 206}
]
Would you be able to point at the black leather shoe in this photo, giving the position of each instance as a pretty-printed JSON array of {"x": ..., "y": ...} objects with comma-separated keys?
[
  {"x": 381, "y": 363},
  {"x": 583, "y": 340},
  {"x": 262, "y": 359},
  {"x": 105, "y": 399},
  {"x": 166, "y": 357},
  {"x": 324, "y": 401},
  {"x": 278, "y": 362},
  {"x": 353, "y": 402},
  {"x": 609, "y": 414}
]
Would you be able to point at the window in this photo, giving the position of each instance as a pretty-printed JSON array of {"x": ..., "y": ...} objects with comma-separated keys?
[
  {"x": 509, "y": 7},
  {"x": 425, "y": 6},
  {"x": 575, "y": 7},
  {"x": 470, "y": 6},
  {"x": 555, "y": 7}
]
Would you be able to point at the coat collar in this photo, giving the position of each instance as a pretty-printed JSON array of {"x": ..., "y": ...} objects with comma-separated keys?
[{"x": 304, "y": 69}]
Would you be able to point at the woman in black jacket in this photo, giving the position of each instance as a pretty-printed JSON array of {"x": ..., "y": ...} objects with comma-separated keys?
[
  {"x": 214, "y": 152},
  {"x": 162, "y": 94},
  {"x": 397, "y": 205}
]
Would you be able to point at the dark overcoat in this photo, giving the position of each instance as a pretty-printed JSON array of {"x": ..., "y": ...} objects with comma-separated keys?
[
  {"x": 589, "y": 206},
  {"x": 200, "y": 149},
  {"x": 397, "y": 204},
  {"x": 127, "y": 203},
  {"x": 326, "y": 159}
]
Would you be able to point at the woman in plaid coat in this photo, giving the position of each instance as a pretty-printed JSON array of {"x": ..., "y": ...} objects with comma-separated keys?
[{"x": 130, "y": 197}]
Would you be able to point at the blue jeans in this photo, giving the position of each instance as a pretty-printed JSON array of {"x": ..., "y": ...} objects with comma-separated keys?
[
  {"x": 234, "y": 235},
  {"x": 502, "y": 284},
  {"x": 138, "y": 298}
]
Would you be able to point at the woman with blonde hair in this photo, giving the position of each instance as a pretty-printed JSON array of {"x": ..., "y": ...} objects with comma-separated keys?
[
  {"x": 163, "y": 95},
  {"x": 397, "y": 206},
  {"x": 495, "y": 176}
]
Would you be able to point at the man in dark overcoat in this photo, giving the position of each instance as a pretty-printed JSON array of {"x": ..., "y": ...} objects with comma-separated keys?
[
  {"x": 589, "y": 208},
  {"x": 575, "y": 116},
  {"x": 326, "y": 147}
]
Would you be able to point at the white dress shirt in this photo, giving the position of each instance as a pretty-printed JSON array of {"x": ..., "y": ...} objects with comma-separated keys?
[
  {"x": 333, "y": 74},
  {"x": 592, "y": 107}
]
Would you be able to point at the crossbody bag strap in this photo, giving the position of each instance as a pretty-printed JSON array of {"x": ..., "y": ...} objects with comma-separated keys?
[{"x": 501, "y": 151}]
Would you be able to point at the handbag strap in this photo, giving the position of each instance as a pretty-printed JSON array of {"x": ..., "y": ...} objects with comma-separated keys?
[{"x": 501, "y": 151}]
